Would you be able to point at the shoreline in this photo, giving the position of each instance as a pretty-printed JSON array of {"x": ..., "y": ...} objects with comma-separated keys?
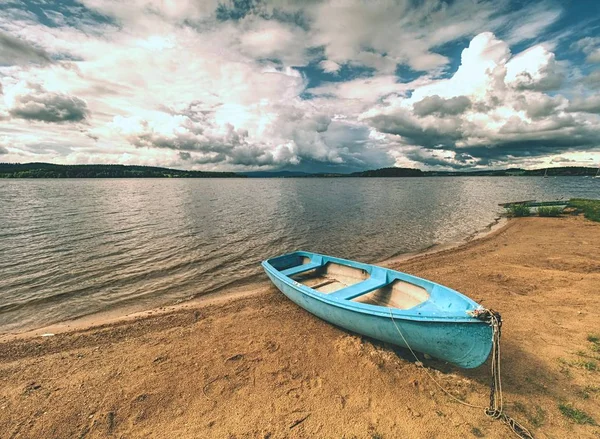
[
  {"x": 121, "y": 315},
  {"x": 488, "y": 231},
  {"x": 258, "y": 366},
  {"x": 129, "y": 313}
]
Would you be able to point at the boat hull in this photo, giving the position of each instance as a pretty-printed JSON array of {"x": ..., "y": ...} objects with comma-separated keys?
[{"x": 465, "y": 344}]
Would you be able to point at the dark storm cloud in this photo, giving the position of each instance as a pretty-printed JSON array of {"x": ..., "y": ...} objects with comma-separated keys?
[
  {"x": 210, "y": 158},
  {"x": 443, "y": 134},
  {"x": 587, "y": 105},
  {"x": 431, "y": 158},
  {"x": 251, "y": 155},
  {"x": 551, "y": 81},
  {"x": 537, "y": 106},
  {"x": 442, "y": 107},
  {"x": 14, "y": 51},
  {"x": 550, "y": 143},
  {"x": 554, "y": 134},
  {"x": 202, "y": 159},
  {"x": 41, "y": 105},
  {"x": 3, "y": 150},
  {"x": 191, "y": 136},
  {"x": 245, "y": 155}
]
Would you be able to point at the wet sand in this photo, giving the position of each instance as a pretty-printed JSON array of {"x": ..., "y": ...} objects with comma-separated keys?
[{"x": 256, "y": 365}]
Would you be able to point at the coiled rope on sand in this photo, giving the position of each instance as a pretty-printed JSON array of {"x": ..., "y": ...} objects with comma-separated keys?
[{"x": 495, "y": 410}]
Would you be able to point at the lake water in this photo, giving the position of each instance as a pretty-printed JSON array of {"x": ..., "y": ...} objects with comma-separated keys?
[{"x": 74, "y": 247}]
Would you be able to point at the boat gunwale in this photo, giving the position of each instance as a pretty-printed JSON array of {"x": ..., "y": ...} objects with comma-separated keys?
[{"x": 364, "y": 308}]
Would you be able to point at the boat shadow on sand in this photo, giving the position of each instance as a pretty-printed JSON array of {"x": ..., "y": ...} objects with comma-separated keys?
[{"x": 522, "y": 373}]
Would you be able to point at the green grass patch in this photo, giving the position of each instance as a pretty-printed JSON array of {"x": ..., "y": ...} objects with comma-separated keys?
[
  {"x": 593, "y": 338},
  {"x": 588, "y": 355},
  {"x": 477, "y": 432},
  {"x": 537, "y": 417},
  {"x": 588, "y": 365},
  {"x": 587, "y": 391},
  {"x": 576, "y": 415},
  {"x": 564, "y": 367},
  {"x": 519, "y": 210},
  {"x": 549, "y": 211},
  {"x": 590, "y": 208},
  {"x": 539, "y": 387}
]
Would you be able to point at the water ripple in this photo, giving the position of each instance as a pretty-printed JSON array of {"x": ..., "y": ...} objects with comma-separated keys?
[{"x": 74, "y": 247}]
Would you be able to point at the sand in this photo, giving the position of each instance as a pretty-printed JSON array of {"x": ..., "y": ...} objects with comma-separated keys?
[{"x": 258, "y": 366}]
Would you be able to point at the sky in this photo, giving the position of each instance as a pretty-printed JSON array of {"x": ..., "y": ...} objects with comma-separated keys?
[{"x": 313, "y": 86}]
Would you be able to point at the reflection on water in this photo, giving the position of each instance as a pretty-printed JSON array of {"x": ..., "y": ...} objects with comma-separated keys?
[{"x": 73, "y": 247}]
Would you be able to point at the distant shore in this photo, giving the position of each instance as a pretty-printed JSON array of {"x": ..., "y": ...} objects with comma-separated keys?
[
  {"x": 54, "y": 171},
  {"x": 256, "y": 365}
]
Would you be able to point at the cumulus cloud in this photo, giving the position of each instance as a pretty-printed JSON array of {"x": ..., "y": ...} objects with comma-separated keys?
[
  {"x": 428, "y": 132},
  {"x": 296, "y": 134},
  {"x": 538, "y": 105},
  {"x": 272, "y": 39},
  {"x": 15, "y": 51},
  {"x": 492, "y": 110},
  {"x": 225, "y": 85},
  {"x": 179, "y": 132},
  {"x": 534, "y": 69},
  {"x": 37, "y": 104},
  {"x": 441, "y": 107},
  {"x": 590, "y": 104},
  {"x": 329, "y": 66},
  {"x": 482, "y": 68}
]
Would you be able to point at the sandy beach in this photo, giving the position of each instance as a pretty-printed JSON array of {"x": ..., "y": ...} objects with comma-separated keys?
[{"x": 254, "y": 365}]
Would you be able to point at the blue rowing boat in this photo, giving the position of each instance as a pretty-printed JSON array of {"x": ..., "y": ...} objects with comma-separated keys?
[{"x": 386, "y": 305}]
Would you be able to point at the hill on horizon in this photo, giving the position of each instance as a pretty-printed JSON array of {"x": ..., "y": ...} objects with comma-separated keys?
[{"x": 50, "y": 170}]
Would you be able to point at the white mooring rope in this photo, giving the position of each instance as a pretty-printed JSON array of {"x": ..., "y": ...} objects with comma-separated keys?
[{"x": 495, "y": 409}]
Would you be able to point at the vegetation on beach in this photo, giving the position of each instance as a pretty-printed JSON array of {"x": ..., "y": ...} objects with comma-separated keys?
[
  {"x": 477, "y": 432},
  {"x": 587, "y": 391},
  {"x": 589, "y": 365},
  {"x": 519, "y": 210},
  {"x": 576, "y": 415},
  {"x": 536, "y": 416},
  {"x": 589, "y": 208},
  {"x": 549, "y": 211},
  {"x": 594, "y": 339},
  {"x": 587, "y": 361}
]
